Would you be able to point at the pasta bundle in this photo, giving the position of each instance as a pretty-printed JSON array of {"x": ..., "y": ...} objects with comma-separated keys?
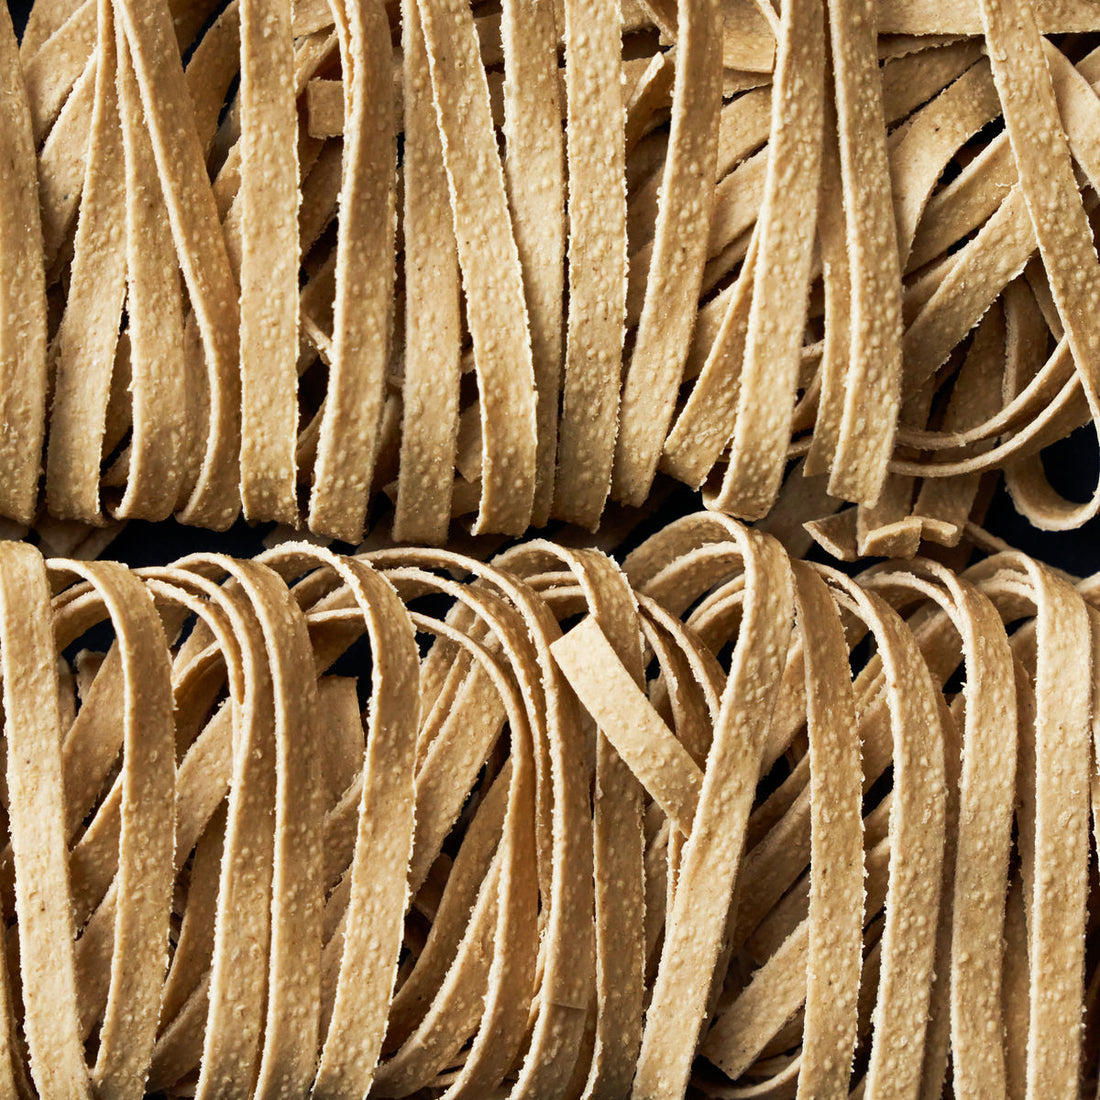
[
  {"x": 510, "y": 260},
  {"x": 709, "y": 822}
]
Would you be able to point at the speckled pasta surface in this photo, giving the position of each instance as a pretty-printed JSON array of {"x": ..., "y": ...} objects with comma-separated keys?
[
  {"x": 334, "y": 263},
  {"x": 705, "y": 821},
  {"x": 481, "y": 760}
]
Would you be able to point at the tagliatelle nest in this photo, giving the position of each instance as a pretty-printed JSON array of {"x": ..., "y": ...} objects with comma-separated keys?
[
  {"x": 709, "y": 822},
  {"x": 410, "y": 823},
  {"x": 509, "y": 259}
]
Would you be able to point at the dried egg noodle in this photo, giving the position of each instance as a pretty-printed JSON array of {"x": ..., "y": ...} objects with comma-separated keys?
[
  {"x": 506, "y": 262},
  {"x": 711, "y": 822}
]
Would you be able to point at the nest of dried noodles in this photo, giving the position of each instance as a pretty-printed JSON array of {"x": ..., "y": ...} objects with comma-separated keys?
[
  {"x": 415, "y": 824},
  {"x": 512, "y": 259}
]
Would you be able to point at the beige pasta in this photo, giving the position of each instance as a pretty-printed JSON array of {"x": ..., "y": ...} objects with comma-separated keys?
[
  {"x": 706, "y": 822},
  {"x": 654, "y": 802},
  {"x": 502, "y": 265}
]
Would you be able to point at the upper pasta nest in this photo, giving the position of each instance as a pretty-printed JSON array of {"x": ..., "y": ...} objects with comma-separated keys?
[{"x": 512, "y": 259}]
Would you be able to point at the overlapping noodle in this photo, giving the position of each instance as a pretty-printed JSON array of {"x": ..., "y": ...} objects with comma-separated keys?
[{"x": 23, "y": 317}]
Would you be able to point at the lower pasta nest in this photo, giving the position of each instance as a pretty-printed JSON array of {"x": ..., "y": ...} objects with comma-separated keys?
[
  {"x": 711, "y": 822},
  {"x": 512, "y": 259}
]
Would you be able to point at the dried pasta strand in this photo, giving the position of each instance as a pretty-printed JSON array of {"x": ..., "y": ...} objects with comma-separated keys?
[
  {"x": 34, "y": 782},
  {"x": 597, "y": 249},
  {"x": 710, "y": 858},
  {"x": 155, "y": 316},
  {"x": 1061, "y": 839},
  {"x": 697, "y": 436},
  {"x": 22, "y": 296},
  {"x": 53, "y": 68},
  {"x": 145, "y": 841},
  {"x": 618, "y": 853},
  {"x": 61, "y": 166},
  {"x": 1059, "y": 220},
  {"x": 354, "y": 1036},
  {"x": 874, "y": 373},
  {"x": 935, "y": 17},
  {"x": 785, "y": 232},
  {"x": 348, "y": 444},
  {"x": 491, "y": 273},
  {"x": 89, "y": 329},
  {"x": 629, "y": 721},
  {"x": 836, "y": 833},
  {"x": 535, "y": 175},
  {"x": 679, "y": 252},
  {"x": 430, "y": 395},
  {"x": 43, "y": 19},
  {"x": 269, "y": 262},
  {"x": 837, "y": 290},
  {"x": 200, "y": 247}
]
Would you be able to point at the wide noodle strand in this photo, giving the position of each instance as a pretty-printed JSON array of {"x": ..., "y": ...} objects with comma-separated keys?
[
  {"x": 704, "y": 822},
  {"x": 507, "y": 262}
]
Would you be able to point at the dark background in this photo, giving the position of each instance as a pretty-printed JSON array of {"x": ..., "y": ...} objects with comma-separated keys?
[{"x": 1072, "y": 466}]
